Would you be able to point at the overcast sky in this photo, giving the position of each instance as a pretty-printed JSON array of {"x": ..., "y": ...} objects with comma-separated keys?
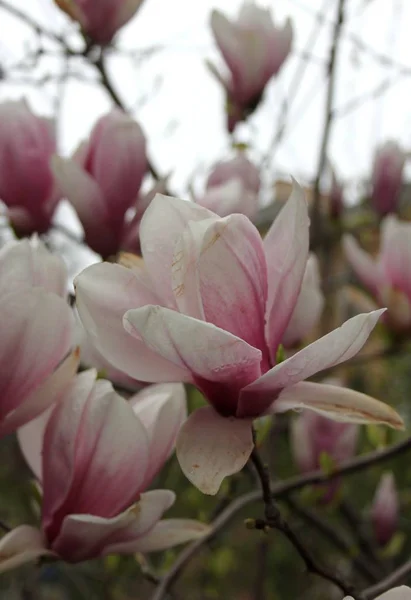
[{"x": 180, "y": 105}]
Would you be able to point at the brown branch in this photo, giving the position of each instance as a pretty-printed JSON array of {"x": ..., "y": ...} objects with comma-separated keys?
[
  {"x": 279, "y": 489},
  {"x": 275, "y": 520},
  {"x": 331, "y": 71},
  {"x": 397, "y": 576},
  {"x": 368, "y": 570}
]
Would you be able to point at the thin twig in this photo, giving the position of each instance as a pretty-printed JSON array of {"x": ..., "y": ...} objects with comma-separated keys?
[
  {"x": 397, "y": 576},
  {"x": 316, "y": 209},
  {"x": 275, "y": 520},
  {"x": 369, "y": 571}
]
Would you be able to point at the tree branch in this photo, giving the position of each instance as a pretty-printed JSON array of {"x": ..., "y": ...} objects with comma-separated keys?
[
  {"x": 390, "y": 581},
  {"x": 316, "y": 209},
  {"x": 279, "y": 489},
  {"x": 275, "y": 520}
]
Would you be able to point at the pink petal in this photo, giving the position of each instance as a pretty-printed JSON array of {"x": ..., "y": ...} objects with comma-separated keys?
[
  {"x": 43, "y": 397},
  {"x": 385, "y": 509},
  {"x": 162, "y": 409},
  {"x": 84, "y": 471},
  {"x": 21, "y": 545},
  {"x": 286, "y": 251},
  {"x": 163, "y": 222},
  {"x": 211, "y": 447},
  {"x": 218, "y": 362},
  {"x": 85, "y": 196},
  {"x": 165, "y": 534},
  {"x": 126, "y": 11},
  {"x": 307, "y": 311},
  {"x": 226, "y": 36},
  {"x": 338, "y": 403},
  {"x": 365, "y": 268},
  {"x": 230, "y": 197},
  {"x": 104, "y": 293},
  {"x": 395, "y": 254},
  {"x": 87, "y": 536},
  {"x": 332, "y": 349},
  {"x": 219, "y": 275},
  {"x": 31, "y": 320}
]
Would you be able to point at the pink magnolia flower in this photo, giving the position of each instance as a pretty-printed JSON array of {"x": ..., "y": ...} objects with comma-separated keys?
[
  {"x": 95, "y": 454},
  {"x": 232, "y": 187},
  {"x": 103, "y": 179},
  {"x": 399, "y": 593},
  {"x": 254, "y": 49},
  {"x": 230, "y": 197},
  {"x": 313, "y": 434},
  {"x": 209, "y": 305},
  {"x": 308, "y": 308},
  {"x": 387, "y": 178},
  {"x": 27, "y": 143},
  {"x": 36, "y": 331},
  {"x": 388, "y": 277},
  {"x": 100, "y": 20},
  {"x": 239, "y": 167},
  {"x": 385, "y": 509}
]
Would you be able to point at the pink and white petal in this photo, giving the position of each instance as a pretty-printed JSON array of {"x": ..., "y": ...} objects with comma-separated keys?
[
  {"x": 81, "y": 191},
  {"x": 227, "y": 38},
  {"x": 211, "y": 447},
  {"x": 210, "y": 354},
  {"x": 162, "y": 409},
  {"x": 105, "y": 479},
  {"x": 21, "y": 545},
  {"x": 332, "y": 349},
  {"x": 286, "y": 251},
  {"x": 31, "y": 320},
  {"x": 87, "y": 536},
  {"x": 127, "y": 11},
  {"x": 162, "y": 224},
  {"x": 396, "y": 253},
  {"x": 165, "y": 534},
  {"x": 309, "y": 306},
  {"x": 220, "y": 276},
  {"x": 337, "y": 403},
  {"x": 365, "y": 268},
  {"x": 104, "y": 293},
  {"x": 302, "y": 444},
  {"x": 30, "y": 438}
]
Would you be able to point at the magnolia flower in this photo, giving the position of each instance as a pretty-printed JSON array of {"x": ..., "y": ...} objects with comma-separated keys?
[
  {"x": 385, "y": 509},
  {"x": 209, "y": 305},
  {"x": 239, "y": 167},
  {"x": 399, "y": 593},
  {"x": 27, "y": 143},
  {"x": 100, "y": 20},
  {"x": 308, "y": 308},
  {"x": 36, "y": 331},
  {"x": 387, "y": 178},
  {"x": 103, "y": 179},
  {"x": 232, "y": 187},
  {"x": 313, "y": 435},
  {"x": 388, "y": 277},
  {"x": 230, "y": 197},
  {"x": 254, "y": 49},
  {"x": 95, "y": 455}
]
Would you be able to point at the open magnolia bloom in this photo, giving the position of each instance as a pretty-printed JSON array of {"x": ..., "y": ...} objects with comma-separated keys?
[
  {"x": 399, "y": 593},
  {"x": 254, "y": 49},
  {"x": 36, "y": 331},
  {"x": 95, "y": 454},
  {"x": 388, "y": 277},
  {"x": 209, "y": 305}
]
